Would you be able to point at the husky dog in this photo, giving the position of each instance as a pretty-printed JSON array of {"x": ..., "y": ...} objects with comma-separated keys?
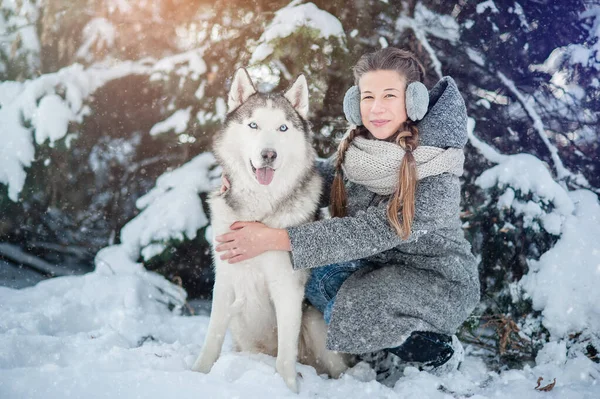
[{"x": 266, "y": 153}]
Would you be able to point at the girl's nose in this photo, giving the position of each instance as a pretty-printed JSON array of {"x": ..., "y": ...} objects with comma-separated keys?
[{"x": 377, "y": 107}]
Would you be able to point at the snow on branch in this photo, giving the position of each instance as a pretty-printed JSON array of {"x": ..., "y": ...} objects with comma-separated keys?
[
  {"x": 42, "y": 109},
  {"x": 561, "y": 171},
  {"x": 437, "y": 65},
  {"x": 172, "y": 210},
  {"x": 98, "y": 34},
  {"x": 18, "y": 33},
  {"x": 288, "y": 19},
  {"x": 563, "y": 282},
  {"x": 490, "y": 153},
  {"x": 427, "y": 22},
  {"x": 588, "y": 54},
  {"x": 529, "y": 190},
  {"x": 481, "y": 7},
  {"x": 559, "y": 282},
  {"x": 177, "y": 122}
]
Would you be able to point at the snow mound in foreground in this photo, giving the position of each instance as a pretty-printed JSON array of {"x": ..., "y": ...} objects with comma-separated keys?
[{"x": 110, "y": 334}]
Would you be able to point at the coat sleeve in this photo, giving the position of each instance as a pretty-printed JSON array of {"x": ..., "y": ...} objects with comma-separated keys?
[
  {"x": 368, "y": 232},
  {"x": 326, "y": 169}
]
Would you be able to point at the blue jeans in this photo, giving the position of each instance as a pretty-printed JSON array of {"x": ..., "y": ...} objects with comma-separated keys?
[{"x": 325, "y": 282}]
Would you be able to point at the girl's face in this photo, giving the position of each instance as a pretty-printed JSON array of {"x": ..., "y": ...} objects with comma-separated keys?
[{"x": 382, "y": 102}]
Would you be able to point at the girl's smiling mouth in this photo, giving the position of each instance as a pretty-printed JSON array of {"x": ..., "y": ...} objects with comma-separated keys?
[{"x": 379, "y": 122}]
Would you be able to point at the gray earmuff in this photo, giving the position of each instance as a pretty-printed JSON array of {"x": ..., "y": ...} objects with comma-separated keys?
[
  {"x": 352, "y": 106},
  {"x": 417, "y": 102}
]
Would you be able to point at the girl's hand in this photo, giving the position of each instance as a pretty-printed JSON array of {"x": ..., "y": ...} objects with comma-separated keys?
[{"x": 250, "y": 239}]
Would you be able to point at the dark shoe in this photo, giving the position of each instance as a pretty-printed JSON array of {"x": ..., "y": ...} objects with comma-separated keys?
[
  {"x": 425, "y": 347},
  {"x": 451, "y": 364},
  {"x": 447, "y": 355},
  {"x": 433, "y": 352}
]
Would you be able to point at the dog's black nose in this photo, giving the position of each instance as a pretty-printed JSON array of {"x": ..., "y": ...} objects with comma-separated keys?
[{"x": 268, "y": 154}]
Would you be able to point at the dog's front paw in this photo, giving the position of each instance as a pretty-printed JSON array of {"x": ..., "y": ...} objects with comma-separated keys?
[
  {"x": 287, "y": 371},
  {"x": 292, "y": 384},
  {"x": 202, "y": 366}
]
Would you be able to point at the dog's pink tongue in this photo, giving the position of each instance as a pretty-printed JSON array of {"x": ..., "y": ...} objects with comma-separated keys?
[{"x": 264, "y": 175}]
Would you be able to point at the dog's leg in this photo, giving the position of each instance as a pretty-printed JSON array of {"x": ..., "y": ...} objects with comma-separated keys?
[
  {"x": 287, "y": 295},
  {"x": 217, "y": 326},
  {"x": 314, "y": 337}
]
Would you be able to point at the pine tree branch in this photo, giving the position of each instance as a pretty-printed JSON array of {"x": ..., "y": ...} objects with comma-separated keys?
[
  {"x": 563, "y": 174},
  {"x": 16, "y": 254},
  {"x": 561, "y": 171},
  {"x": 489, "y": 152}
]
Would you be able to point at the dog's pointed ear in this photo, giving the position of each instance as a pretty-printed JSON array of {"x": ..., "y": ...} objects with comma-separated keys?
[
  {"x": 241, "y": 89},
  {"x": 297, "y": 95}
]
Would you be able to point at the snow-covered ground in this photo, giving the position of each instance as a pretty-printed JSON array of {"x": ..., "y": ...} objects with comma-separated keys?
[{"x": 110, "y": 334}]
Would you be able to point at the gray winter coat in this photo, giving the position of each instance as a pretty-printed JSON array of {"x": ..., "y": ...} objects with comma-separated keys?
[{"x": 428, "y": 282}]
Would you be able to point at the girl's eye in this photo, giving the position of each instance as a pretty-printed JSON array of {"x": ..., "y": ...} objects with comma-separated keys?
[
  {"x": 283, "y": 128},
  {"x": 367, "y": 98},
  {"x": 390, "y": 95},
  {"x": 253, "y": 125}
]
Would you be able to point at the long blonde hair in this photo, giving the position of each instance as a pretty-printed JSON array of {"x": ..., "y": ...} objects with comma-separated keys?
[{"x": 406, "y": 64}]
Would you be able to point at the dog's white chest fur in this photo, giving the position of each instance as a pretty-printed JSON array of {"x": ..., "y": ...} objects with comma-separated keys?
[
  {"x": 261, "y": 299},
  {"x": 253, "y": 282}
]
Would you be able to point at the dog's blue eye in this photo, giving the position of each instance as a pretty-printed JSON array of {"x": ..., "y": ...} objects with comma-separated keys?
[
  {"x": 283, "y": 128},
  {"x": 253, "y": 125}
]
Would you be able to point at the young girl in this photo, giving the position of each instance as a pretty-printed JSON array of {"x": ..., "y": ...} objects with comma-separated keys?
[{"x": 391, "y": 268}]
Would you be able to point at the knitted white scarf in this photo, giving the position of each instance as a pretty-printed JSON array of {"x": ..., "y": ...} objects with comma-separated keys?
[{"x": 375, "y": 163}]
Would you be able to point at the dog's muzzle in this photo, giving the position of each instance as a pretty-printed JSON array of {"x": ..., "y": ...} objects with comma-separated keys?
[{"x": 264, "y": 174}]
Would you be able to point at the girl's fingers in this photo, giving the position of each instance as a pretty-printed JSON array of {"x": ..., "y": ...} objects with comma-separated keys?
[
  {"x": 230, "y": 257},
  {"x": 227, "y": 237},
  {"x": 239, "y": 225},
  {"x": 225, "y": 185},
  {"x": 225, "y": 246}
]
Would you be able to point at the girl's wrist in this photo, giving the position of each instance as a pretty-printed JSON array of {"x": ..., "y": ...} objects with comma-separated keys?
[{"x": 282, "y": 240}]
